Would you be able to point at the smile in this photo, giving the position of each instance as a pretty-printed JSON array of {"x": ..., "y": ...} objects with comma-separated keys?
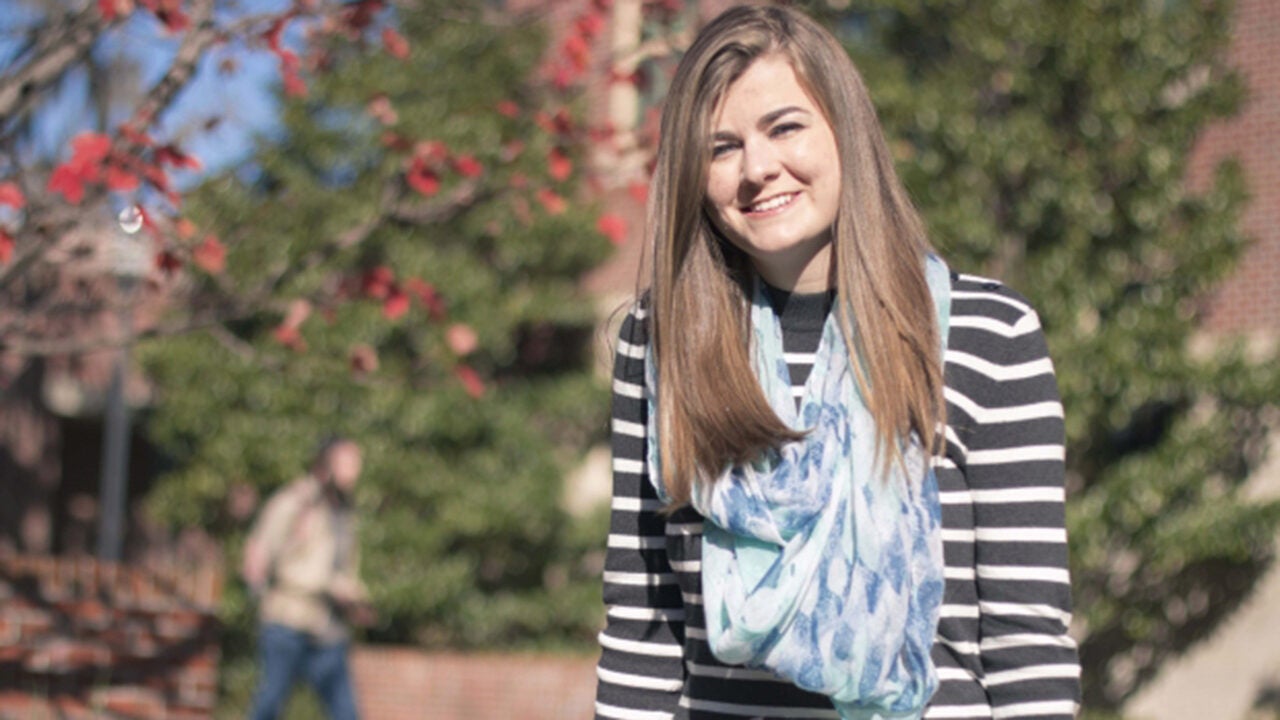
[{"x": 774, "y": 203}]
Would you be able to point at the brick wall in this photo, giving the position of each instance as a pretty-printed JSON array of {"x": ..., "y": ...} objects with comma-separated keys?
[
  {"x": 86, "y": 639},
  {"x": 1250, "y": 300},
  {"x": 395, "y": 683}
]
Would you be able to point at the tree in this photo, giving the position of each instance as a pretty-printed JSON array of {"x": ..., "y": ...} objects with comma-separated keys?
[
  {"x": 1047, "y": 146},
  {"x": 402, "y": 266}
]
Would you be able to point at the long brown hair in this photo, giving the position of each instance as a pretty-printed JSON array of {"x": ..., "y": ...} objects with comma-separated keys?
[{"x": 711, "y": 410}]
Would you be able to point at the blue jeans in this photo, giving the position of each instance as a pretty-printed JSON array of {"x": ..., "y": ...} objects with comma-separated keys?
[{"x": 284, "y": 655}]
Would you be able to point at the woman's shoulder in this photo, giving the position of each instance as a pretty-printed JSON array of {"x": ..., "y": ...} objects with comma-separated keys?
[
  {"x": 635, "y": 324},
  {"x": 976, "y": 297}
]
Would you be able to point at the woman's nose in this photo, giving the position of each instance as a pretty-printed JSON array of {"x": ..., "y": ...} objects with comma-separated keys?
[{"x": 760, "y": 162}]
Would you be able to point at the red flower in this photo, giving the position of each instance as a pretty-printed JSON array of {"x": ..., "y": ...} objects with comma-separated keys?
[
  {"x": 422, "y": 178},
  {"x": 377, "y": 282},
  {"x": 508, "y": 108},
  {"x": 471, "y": 381},
  {"x": 396, "y": 304},
  {"x": 11, "y": 195},
  {"x": 639, "y": 192},
  {"x": 428, "y": 296},
  {"x": 559, "y": 165},
  {"x": 576, "y": 50},
  {"x": 467, "y": 166},
  {"x": 397, "y": 47},
  {"x": 590, "y": 24},
  {"x": 613, "y": 227},
  {"x": 462, "y": 340},
  {"x": 6, "y": 247},
  {"x": 210, "y": 255},
  {"x": 289, "y": 337},
  {"x": 380, "y": 109},
  {"x": 553, "y": 203}
]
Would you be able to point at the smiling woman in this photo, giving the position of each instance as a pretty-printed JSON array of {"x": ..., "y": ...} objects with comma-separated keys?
[
  {"x": 808, "y": 521},
  {"x": 774, "y": 180}
]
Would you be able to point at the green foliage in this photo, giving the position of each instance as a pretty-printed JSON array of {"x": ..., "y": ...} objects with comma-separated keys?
[
  {"x": 465, "y": 542},
  {"x": 1047, "y": 145}
]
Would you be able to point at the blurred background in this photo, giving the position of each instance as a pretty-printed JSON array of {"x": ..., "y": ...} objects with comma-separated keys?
[{"x": 414, "y": 223}]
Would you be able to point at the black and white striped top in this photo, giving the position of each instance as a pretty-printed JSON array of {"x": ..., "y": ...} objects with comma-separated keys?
[{"x": 1002, "y": 649}]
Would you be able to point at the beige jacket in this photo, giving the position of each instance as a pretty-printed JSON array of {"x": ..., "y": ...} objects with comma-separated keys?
[{"x": 314, "y": 560}]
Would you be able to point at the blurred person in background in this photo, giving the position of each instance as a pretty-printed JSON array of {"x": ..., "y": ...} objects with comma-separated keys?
[
  {"x": 838, "y": 464},
  {"x": 301, "y": 562}
]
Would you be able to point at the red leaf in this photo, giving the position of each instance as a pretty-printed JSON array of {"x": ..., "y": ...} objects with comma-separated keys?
[
  {"x": 272, "y": 35},
  {"x": 613, "y": 227},
  {"x": 11, "y": 195},
  {"x": 359, "y": 15},
  {"x": 174, "y": 19},
  {"x": 380, "y": 109},
  {"x": 576, "y": 50},
  {"x": 67, "y": 181},
  {"x": 135, "y": 136},
  {"x": 639, "y": 192},
  {"x": 462, "y": 340},
  {"x": 553, "y": 203},
  {"x": 422, "y": 178},
  {"x": 168, "y": 262},
  {"x": 90, "y": 147},
  {"x": 471, "y": 381},
  {"x": 363, "y": 359},
  {"x": 210, "y": 255},
  {"x": 376, "y": 282},
  {"x": 508, "y": 108},
  {"x": 467, "y": 166},
  {"x": 6, "y": 247},
  {"x": 590, "y": 24},
  {"x": 562, "y": 77},
  {"x": 428, "y": 296},
  {"x": 432, "y": 151},
  {"x": 559, "y": 165},
  {"x": 120, "y": 180},
  {"x": 184, "y": 228},
  {"x": 112, "y": 9},
  {"x": 289, "y": 337},
  {"x": 397, "y": 47},
  {"x": 395, "y": 141},
  {"x": 512, "y": 150},
  {"x": 396, "y": 304},
  {"x": 173, "y": 155}
]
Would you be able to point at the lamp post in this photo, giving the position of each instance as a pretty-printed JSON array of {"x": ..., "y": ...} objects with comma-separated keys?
[{"x": 129, "y": 261}]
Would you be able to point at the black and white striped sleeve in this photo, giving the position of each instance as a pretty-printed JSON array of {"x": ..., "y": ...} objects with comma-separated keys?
[
  {"x": 1007, "y": 414},
  {"x": 641, "y": 669}
]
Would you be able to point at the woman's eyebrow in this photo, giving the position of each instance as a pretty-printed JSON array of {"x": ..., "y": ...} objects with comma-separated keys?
[
  {"x": 771, "y": 116},
  {"x": 765, "y": 121}
]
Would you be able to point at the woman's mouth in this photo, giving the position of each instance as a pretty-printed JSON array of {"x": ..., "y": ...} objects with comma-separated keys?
[{"x": 771, "y": 205}]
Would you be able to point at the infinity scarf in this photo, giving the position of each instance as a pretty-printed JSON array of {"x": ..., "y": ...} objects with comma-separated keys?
[{"x": 834, "y": 586}]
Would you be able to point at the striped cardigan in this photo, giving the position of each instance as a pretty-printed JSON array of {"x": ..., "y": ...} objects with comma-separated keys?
[{"x": 1002, "y": 649}]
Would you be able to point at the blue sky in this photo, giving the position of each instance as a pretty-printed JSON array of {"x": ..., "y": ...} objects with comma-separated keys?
[{"x": 242, "y": 102}]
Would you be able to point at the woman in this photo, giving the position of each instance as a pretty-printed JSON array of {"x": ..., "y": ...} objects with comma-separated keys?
[{"x": 814, "y": 515}]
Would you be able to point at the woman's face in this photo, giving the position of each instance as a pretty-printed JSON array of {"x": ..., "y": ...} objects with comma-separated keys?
[{"x": 774, "y": 181}]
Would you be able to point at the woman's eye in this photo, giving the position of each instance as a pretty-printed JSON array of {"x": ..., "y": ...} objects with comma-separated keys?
[
  {"x": 720, "y": 149},
  {"x": 785, "y": 129}
]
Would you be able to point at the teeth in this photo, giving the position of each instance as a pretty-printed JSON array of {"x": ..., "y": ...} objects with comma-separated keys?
[{"x": 772, "y": 203}]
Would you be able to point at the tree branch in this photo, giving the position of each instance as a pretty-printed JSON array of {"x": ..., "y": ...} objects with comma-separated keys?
[{"x": 65, "y": 46}]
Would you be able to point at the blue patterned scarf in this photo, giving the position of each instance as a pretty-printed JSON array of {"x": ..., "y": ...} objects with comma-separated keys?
[{"x": 835, "y": 586}]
